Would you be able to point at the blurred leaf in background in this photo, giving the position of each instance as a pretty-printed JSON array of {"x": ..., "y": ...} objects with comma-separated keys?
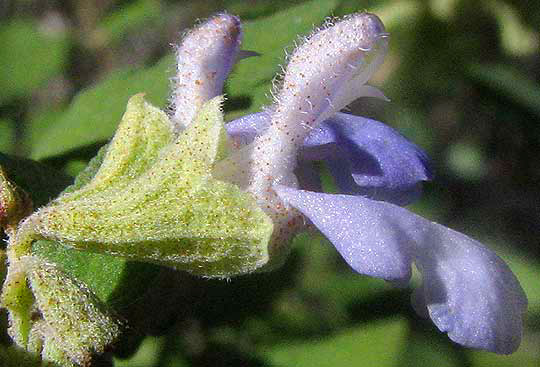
[
  {"x": 30, "y": 55},
  {"x": 94, "y": 114},
  {"x": 131, "y": 17},
  {"x": 510, "y": 83}
]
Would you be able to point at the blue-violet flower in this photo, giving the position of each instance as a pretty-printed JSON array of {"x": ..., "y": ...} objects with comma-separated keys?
[{"x": 467, "y": 290}]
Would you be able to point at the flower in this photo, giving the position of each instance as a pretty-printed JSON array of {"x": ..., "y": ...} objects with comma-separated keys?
[
  {"x": 467, "y": 290},
  {"x": 174, "y": 190}
]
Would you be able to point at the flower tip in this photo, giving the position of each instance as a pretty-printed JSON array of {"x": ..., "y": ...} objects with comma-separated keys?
[
  {"x": 470, "y": 292},
  {"x": 371, "y": 28},
  {"x": 328, "y": 71},
  {"x": 227, "y": 26},
  {"x": 204, "y": 59}
]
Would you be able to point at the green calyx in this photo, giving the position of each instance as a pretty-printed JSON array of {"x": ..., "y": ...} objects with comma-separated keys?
[
  {"x": 15, "y": 204},
  {"x": 150, "y": 196},
  {"x": 54, "y": 315}
]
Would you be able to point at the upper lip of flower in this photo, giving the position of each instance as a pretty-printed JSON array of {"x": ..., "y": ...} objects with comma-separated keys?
[{"x": 364, "y": 156}]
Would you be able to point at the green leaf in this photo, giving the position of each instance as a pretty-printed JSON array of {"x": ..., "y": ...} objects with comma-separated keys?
[
  {"x": 143, "y": 132},
  {"x": 29, "y": 58},
  {"x": 375, "y": 344},
  {"x": 94, "y": 113},
  {"x": 509, "y": 82},
  {"x": 114, "y": 280},
  {"x": 38, "y": 123},
  {"x": 7, "y": 136},
  {"x": 256, "y": 9},
  {"x": 13, "y": 356},
  {"x": 17, "y": 298},
  {"x": 427, "y": 348},
  {"x": 269, "y": 37},
  {"x": 130, "y": 17}
]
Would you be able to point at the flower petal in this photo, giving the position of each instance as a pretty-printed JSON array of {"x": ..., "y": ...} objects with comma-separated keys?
[
  {"x": 369, "y": 158},
  {"x": 365, "y": 157},
  {"x": 468, "y": 291},
  {"x": 359, "y": 230},
  {"x": 243, "y": 130}
]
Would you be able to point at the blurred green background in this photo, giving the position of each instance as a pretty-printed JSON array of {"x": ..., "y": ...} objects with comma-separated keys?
[{"x": 464, "y": 80}]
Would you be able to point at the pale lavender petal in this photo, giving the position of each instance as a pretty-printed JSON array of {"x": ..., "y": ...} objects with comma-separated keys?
[
  {"x": 359, "y": 230},
  {"x": 369, "y": 158},
  {"x": 468, "y": 291},
  {"x": 244, "y": 129}
]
